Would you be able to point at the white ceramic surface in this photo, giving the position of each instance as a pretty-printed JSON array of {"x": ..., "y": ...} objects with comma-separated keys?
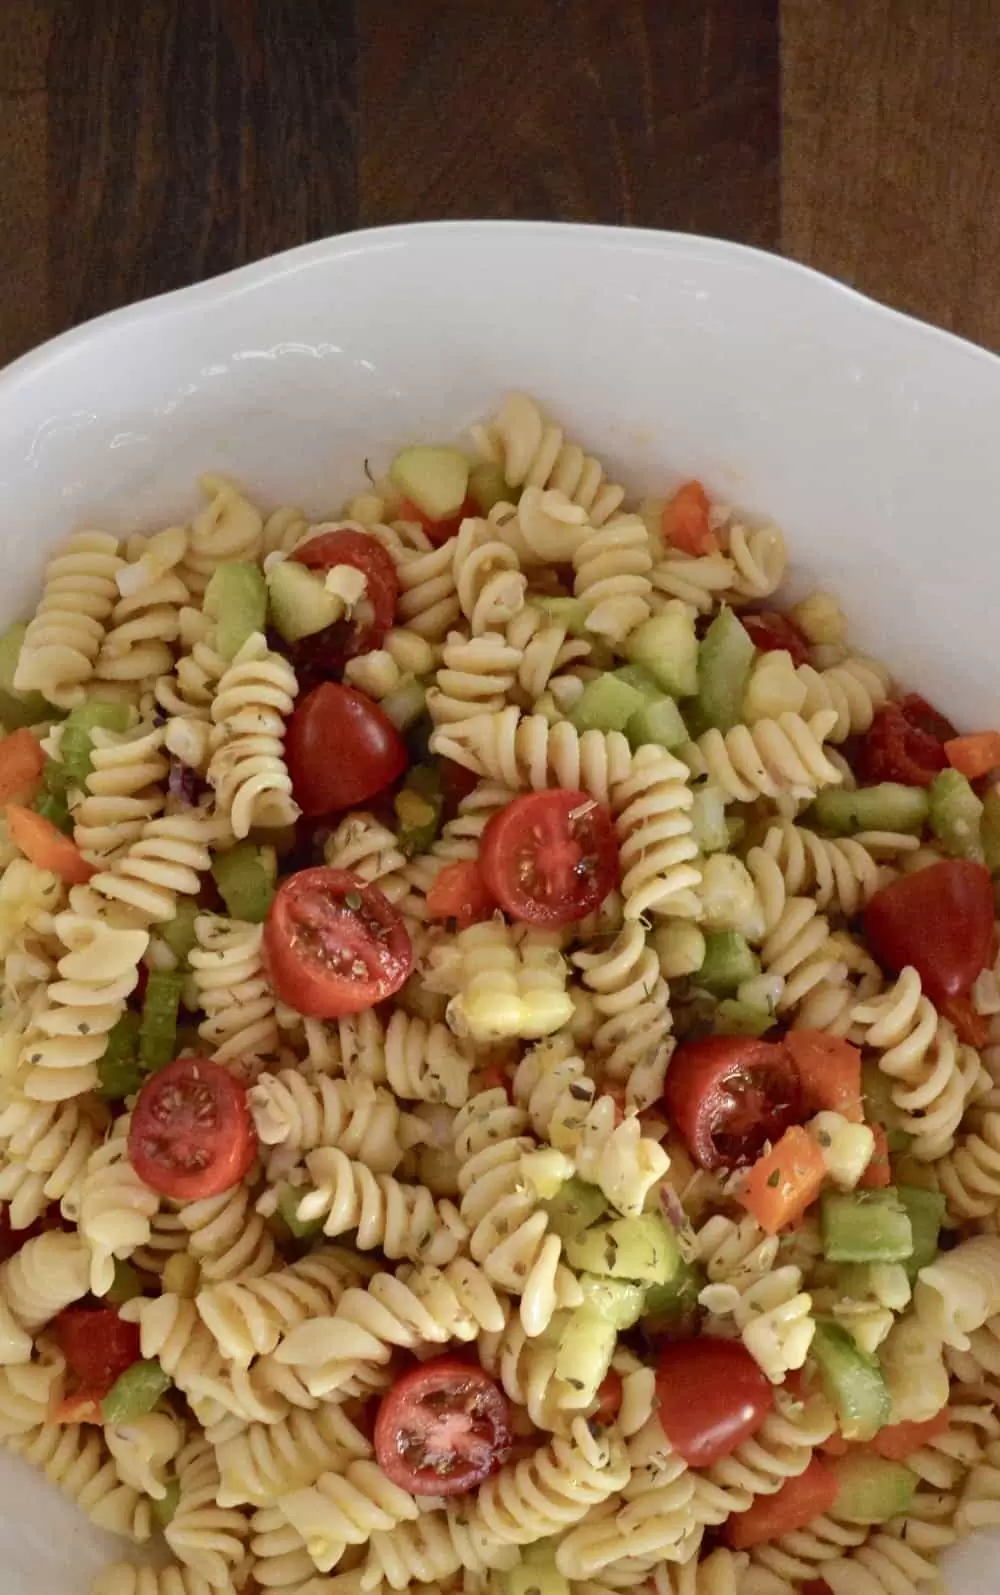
[{"x": 871, "y": 438}]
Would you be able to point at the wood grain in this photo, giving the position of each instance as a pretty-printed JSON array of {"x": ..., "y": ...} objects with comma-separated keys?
[{"x": 890, "y": 169}]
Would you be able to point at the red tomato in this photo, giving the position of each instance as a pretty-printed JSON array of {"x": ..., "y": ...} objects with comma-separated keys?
[
  {"x": 727, "y": 1095},
  {"x": 772, "y": 632},
  {"x": 800, "y": 1499},
  {"x": 191, "y": 1133},
  {"x": 341, "y": 749},
  {"x": 905, "y": 743},
  {"x": 712, "y": 1397},
  {"x": 443, "y": 1428},
  {"x": 98, "y": 1346},
  {"x": 940, "y": 921},
  {"x": 325, "y": 653},
  {"x": 334, "y": 945},
  {"x": 438, "y": 531},
  {"x": 550, "y": 858},
  {"x": 609, "y": 1397},
  {"x": 459, "y": 892}
]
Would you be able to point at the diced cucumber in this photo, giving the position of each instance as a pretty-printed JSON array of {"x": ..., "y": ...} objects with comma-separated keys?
[
  {"x": 118, "y": 1070},
  {"x": 488, "y": 486},
  {"x": 887, "y": 1283},
  {"x": 886, "y": 807},
  {"x": 17, "y": 708},
  {"x": 178, "y": 933},
  {"x": 300, "y": 604},
  {"x": 606, "y": 704},
  {"x": 735, "y": 1018},
  {"x": 125, "y": 1286},
  {"x": 574, "y": 1208},
  {"x": 925, "y": 1210},
  {"x": 724, "y": 661},
  {"x": 989, "y": 830},
  {"x": 729, "y": 961},
  {"x": 865, "y": 1227},
  {"x": 615, "y": 1300},
  {"x": 660, "y": 722},
  {"x": 955, "y": 815},
  {"x": 852, "y": 1382},
  {"x": 666, "y": 645},
  {"x": 665, "y": 1304},
  {"x": 158, "y": 1028},
  {"x": 871, "y": 1489},
  {"x": 640, "y": 679},
  {"x": 166, "y": 1506},
  {"x": 680, "y": 947},
  {"x": 419, "y": 804},
  {"x": 76, "y": 744},
  {"x": 585, "y": 1351},
  {"x": 246, "y": 877},
  {"x": 135, "y": 1392},
  {"x": 236, "y": 599},
  {"x": 568, "y": 612},
  {"x": 406, "y": 704},
  {"x": 534, "y": 1578},
  {"x": 436, "y": 480},
  {"x": 709, "y": 827},
  {"x": 644, "y": 1249},
  {"x": 288, "y": 1206}
]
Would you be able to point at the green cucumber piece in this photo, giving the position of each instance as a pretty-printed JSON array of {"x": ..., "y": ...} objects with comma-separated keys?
[
  {"x": 118, "y": 1071},
  {"x": 709, "y": 826},
  {"x": 488, "y": 486},
  {"x": 735, "y": 1018},
  {"x": 729, "y": 961},
  {"x": 876, "y": 1090},
  {"x": 989, "y": 830},
  {"x": 665, "y": 1304},
  {"x": 166, "y": 1506},
  {"x": 288, "y": 1205},
  {"x": 435, "y": 480},
  {"x": 870, "y": 1489},
  {"x": 575, "y": 1206},
  {"x": 406, "y": 704},
  {"x": 179, "y": 932},
  {"x": 925, "y": 1210},
  {"x": 660, "y": 722},
  {"x": 246, "y": 877},
  {"x": 158, "y": 1027},
  {"x": 236, "y": 599},
  {"x": 135, "y": 1392},
  {"x": 667, "y": 646},
  {"x": 125, "y": 1286},
  {"x": 724, "y": 661},
  {"x": 568, "y": 612},
  {"x": 640, "y": 679},
  {"x": 52, "y": 806},
  {"x": 76, "y": 745},
  {"x": 534, "y": 1578},
  {"x": 643, "y": 1249},
  {"x": 419, "y": 804},
  {"x": 606, "y": 704},
  {"x": 299, "y": 603},
  {"x": 955, "y": 815},
  {"x": 617, "y": 1301},
  {"x": 586, "y": 1347},
  {"x": 886, "y": 807},
  {"x": 18, "y": 708},
  {"x": 865, "y": 1227},
  {"x": 852, "y": 1382}
]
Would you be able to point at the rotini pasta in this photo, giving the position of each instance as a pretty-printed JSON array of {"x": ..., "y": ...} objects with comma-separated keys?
[
  {"x": 247, "y": 770},
  {"x": 534, "y": 453},
  {"x": 233, "y": 990},
  {"x": 62, "y": 642}
]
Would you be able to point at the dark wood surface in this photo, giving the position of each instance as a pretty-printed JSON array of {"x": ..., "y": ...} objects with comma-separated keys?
[{"x": 147, "y": 143}]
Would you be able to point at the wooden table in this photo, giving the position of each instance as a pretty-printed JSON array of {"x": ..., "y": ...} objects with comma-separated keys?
[{"x": 148, "y": 143}]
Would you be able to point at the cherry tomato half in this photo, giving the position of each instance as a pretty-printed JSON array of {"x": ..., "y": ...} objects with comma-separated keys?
[
  {"x": 905, "y": 743},
  {"x": 727, "y": 1095},
  {"x": 712, "y": 1397},
  {"x": 341, "y": 749},
  {"x": 550, "y": 858},
  {"x": 98, "y": 1345},
  {"x": 334, "y": 945},
  {"x": 940, "y": 921},
  {"x": 459, "y": 892},
  {"x": 326, "y": 652},
  {"x": 191, "y": 1133},
  {"x": 770, "y": 631},
  {"x": 442, "y": 1428},
  {"x": 438, "y": 531}
]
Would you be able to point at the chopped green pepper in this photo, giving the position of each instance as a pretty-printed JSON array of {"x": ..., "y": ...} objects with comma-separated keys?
[
  {"x": 246, "y": 877},
  {"x": 852, "y": 1382},
  {"x": 724, "y": 659},
  {"x": 926, "y": 1210},
  {"x": 118, "y": 1069},
  {"x": 158, "y": 1029},
  {"x": 164, "y": 1509},
  {"x": 135, "y": 1392},
  {"x": 288, "y": 1204},
  {"x": 886, "y": 807},
  {"x": 178, "y": 933},
  {"x": 955, "y": 815},
  {"x": 419, "y": 804},
  {"x": 865, "y": 1227}
]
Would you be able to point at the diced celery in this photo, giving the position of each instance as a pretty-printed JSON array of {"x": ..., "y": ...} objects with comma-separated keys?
[
  {"x": 125, "y": 1286},
  {"x": 436, "y": 480},
  {"x": 419, "y": 804},
  {"x": 643, "y": 1249},
  {"x": 926, "y": 1210},
  {"x": 158, "y": 1029},
  {"x": 52, "y": 806},
  {"x": 288, "y": 1205},
  {"x": 236, "y": 598},
  {"x": 299, "y": 602},
  {"x": 665, "y": 1304},
  {"x": 574, "y": 1208},
  {"x": 708, "y": 819},
  {"x": 852, "y": 1382},
  {"x": 865, "y": 1227},
  {"x": 246, "y": 877},
  {"x": 729, "y": 960},
  {"x": 667, "y": 646},
  {"x": 990, "y": 830},
  {"x": 871, "y": 1489},
  {"x": 640, "y": 679},
  {"x": 586, "y": 1348},
  {"x": 568, "y": 612},
  {"x": 606, "y": 704},
  {"x": 135, "y": 1392},
  {"x": 735, "y": 1018},
  {"x": 118, "y": 1070},
  {"x": 617, "y": 1301},
  {"x": 724, "y": 659},
  {"x": 405, "y": 704},
  {"x": 17, "y": 708},
  {"x": 659, "y": 722},
  {"x": 955, "y": 815},
  {"x": 178, "y": 933},
  {"x": 488, "y": 486},
  {"x": 77, "y": 741},
  {"x": 886, "y": 807},
  {"x": 166, "y": 1506}
]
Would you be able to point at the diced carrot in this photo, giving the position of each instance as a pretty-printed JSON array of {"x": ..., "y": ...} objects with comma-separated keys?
[
  {"x": 900, "y": 1440},
  {"x": 797, "y": 1502},
  {"x": 830, "y": 1071},
  {"x": 974, "y": 755},
  {"x": 82, "y": 1406},
  {"x": 46, "y": 846},
  {"x": 878, "y": 1174},
  {"x": 973, "y": 1028},
  {"x": 684, "y": 521},
  {"x": 459, "y": 892},
  {"x": 785, "y": 1181},
  {"x": 21, "y": 764}
]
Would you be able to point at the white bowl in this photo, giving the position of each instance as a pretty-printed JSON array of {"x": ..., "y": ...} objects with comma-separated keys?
[{"x": 871, "y": 438}]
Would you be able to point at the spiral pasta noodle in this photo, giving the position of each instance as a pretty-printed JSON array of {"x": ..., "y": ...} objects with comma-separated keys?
[
  {"x": 474, "y": 677},
  {"x": 62, "y": 642},
  {"x": 633, "y": 1037},
  {"x": 30, "y": 1390},
  {"x": 534, "y": 453},
  {"x": 404, "y": 1220},
  {"x": 357, "y": 1117},
  {"x": 612, "y": 568},
  {"x": 969, "y": 1176},
  {"x": 113, "y": 1208},
  {"x": 428, "y": 594},
  {"x": 46, "y": 1147},
  {"x": 247, "y": 1316},
  {"x": 370, "y": 851},
  {"x": 433, "y": 1546},
  {"x": 546, "y": 651},
  {"x": 144, "y": 1449},
  {"x": 700, "y": 582},
  {"x": 145, "y": 622},
  {"x": 75, "y": 1459},
  {"x": 233, "y": 990},
  {"x": 555, "y": 1487},
  {"x": 841, "y": 874},
  {"x": 264, "y": 1461},
  {"x": 225, "y": 1237},
  {"x": 204, "y": 1536},
  {"x": 488, "y": 578},
  {"x": 166, "y": 862},
  {"x": 247, "y": 770},
  {"x": 760, "y": 559},
  {"x": 424, "y": 1063},
  {"x": 958, "y": 1292},
  {"x": 772, "y": 758},
  {"x": 766, "y": 1302},
  {"x": 346, "y": 1509},
  {"x": 855, "y": 689},
  {"x": 525, "y": 751},
  {"x": 652, "y": 804},
  {"x": 227, "y": 528},
  {"x": 123, "y": 791}
]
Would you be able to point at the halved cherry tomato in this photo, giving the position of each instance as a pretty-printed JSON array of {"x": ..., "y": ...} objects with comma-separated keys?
[
  {"x": 878, "y": 1174},
  {"x": 830, "y": 1071},
  {"x": 46, "y": 846},
  {"x": 975, "y": 755},
  {"x": 609, "y": 1397},
  {"x": 459, "y": 892},
  {"x": 728, "y": 1095},
  {"x": 443, "y": 1428},
  {"x": 21, "y": 764},
  {"x": 784, "y": 1182},
  {"x": 772, "y": 632},
  {"x": 794, "y": 1506},
  {"x": 341, "y": 749},
  {"x": 973, "y": 1028},
  {"x": 438, "y": 531},
  {"x": 333, "y": 944},
  {"x": 712, "y": 1396},
  {"x": 905, "y": 743},
  {"x": 940, "y": 921},
  {"x": 325, "y": 653},
  {"x": 98, "y": 1345},
  {"x": 684, "y": 521},
  {"x": 899, "y": 1440},
  {"x": 191, "y": 1133},
  {"x": 550, "y": 858}
]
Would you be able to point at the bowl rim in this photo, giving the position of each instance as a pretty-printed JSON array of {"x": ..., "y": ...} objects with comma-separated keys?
[{"x": 679, "y": 246}]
